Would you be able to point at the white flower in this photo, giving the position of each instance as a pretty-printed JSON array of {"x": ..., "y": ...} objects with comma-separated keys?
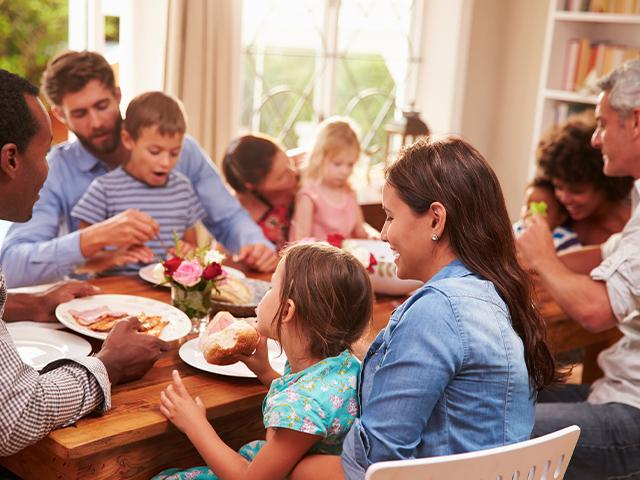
[
  {"x": 213, "y": 256},
  {"x": 158, "y": 273}
]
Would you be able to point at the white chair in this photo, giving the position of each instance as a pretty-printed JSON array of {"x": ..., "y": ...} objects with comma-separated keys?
[{"x": 542, "y": 458}]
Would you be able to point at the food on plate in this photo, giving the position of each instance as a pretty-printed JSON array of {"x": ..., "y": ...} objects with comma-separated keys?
[
  {"x": 89, "y": 317},
  {"x": 102, "y": 319},
  {"x": 226, "y": 337},
  {"x": 232, "y": 290}
]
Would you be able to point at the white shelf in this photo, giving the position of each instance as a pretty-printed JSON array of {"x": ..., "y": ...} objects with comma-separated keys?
[
  {"x": 571, "y": 97},
  {"x": 564, "y": 16}
]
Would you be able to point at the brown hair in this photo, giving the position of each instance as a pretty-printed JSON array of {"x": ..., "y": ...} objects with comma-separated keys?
[
  {"x": 248, "y": 159},
  {"x": 155, "y": 109},
  {"x": 565, "y": 153},
  {"x": 454, "y": 173},
  {"x": 332, "y": 294},
  {"x": 333, "y": 135},
  {"x": 69, "y": 72}
]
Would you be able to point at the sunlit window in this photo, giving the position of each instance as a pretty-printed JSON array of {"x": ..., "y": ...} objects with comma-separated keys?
[{"x": 304, "y": 60}]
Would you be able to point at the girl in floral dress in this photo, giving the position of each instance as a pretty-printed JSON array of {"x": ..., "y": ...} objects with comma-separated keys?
[{"x": 319, "y": 304}]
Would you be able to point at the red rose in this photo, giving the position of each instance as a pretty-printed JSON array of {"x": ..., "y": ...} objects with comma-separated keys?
[
  {"x": 335, "y": 239},
  {"x": 372, "y": 262},
  {"x": 212, "y": 271},
  {"x": 171, "y": 265}
]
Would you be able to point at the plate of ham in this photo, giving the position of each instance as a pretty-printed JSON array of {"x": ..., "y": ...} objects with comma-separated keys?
[{"x": 95, "y": 316}]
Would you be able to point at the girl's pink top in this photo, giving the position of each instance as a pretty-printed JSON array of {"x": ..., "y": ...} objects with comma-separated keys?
[{"x": 330, "y": 217}]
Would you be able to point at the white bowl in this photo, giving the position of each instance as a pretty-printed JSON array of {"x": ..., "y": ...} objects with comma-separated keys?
[{"x": 384, "y": 278}]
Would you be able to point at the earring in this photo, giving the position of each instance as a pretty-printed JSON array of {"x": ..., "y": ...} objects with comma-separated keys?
[{"x": 434, "y": 237}]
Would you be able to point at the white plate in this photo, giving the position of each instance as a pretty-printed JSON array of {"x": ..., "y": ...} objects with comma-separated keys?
[
  {"x": 179, "y": 323},
  {"x": 147, "y": 273},
  {"x": 40, "y": 346},
  {"x": 191, "y": 354}
]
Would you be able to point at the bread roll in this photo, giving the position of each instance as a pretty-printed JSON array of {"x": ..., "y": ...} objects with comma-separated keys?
[
  {"x": 219, "y": 345},
  {"x": 233, "y": 290}
]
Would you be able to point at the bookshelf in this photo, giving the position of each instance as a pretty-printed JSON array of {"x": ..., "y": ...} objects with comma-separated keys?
[{"x": 581, "y": 45}]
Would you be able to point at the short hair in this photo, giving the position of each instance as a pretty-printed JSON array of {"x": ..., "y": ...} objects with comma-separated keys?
[
  {"x": 155, "y": 109},
  {"x": 334, "y": 134},
  {"x": 623, "y": 85},
  {"x": 565, "y": 153},
  {"x": 249, "y": 159},
  {"x": 332, "y": 294},
  {"x": 17, "y": 123},
  {"x": 69, "y": 72}
]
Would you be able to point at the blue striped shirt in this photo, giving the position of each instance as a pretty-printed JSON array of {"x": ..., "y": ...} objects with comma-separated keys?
[{"x": 175, "y": 206}]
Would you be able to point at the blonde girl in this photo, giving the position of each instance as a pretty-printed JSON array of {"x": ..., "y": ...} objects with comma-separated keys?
[
  {"x": 319, "y": 304},
  {"x": 326, "y": 203}
]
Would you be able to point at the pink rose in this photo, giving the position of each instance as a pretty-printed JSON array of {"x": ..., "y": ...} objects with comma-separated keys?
[{"x": 188, "y": 273}]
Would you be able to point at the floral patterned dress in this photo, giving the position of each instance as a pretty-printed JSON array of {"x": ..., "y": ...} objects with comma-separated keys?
[{"x": 319, "y": 400}]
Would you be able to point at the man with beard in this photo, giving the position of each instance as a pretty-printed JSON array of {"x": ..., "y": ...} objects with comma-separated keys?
[
  {"x": 82, "y": 90},
  {"x": 34, "y": 403}
]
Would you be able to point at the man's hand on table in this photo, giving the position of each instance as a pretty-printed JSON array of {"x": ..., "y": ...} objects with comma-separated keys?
[
  {"x": 40, "y": 307},
  {"x": 127, "y": 354},
  {"x": 258, "y": 257},
  {"x": 131, "y": 227}
]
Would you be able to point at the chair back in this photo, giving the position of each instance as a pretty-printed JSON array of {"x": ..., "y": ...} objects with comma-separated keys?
[{"x": 542, "y": 458}]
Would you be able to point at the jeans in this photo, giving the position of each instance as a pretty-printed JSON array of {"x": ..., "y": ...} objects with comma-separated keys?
[{"x": 609, "y": 443}]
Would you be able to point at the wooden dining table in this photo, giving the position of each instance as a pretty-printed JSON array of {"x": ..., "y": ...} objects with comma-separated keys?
[{"x": 134, "y": 440}]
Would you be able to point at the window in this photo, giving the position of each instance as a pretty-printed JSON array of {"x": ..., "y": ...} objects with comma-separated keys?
[{"x": 304, "y": 60}]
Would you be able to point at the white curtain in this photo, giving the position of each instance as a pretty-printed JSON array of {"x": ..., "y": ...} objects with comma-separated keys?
[{"x": 202, "y": 68}]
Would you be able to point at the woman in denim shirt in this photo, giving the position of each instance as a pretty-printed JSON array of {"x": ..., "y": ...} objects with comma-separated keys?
[{"x": 458, "y": 365}]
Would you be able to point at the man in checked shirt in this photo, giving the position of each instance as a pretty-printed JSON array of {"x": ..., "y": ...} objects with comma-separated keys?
[{"x": 31, "y": 403}]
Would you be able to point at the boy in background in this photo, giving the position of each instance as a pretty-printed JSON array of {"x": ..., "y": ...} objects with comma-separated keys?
[{"x": 153, "y": 132}]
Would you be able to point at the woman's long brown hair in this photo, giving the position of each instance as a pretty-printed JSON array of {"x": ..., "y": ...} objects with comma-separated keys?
[{"x": 454, "y": 173}]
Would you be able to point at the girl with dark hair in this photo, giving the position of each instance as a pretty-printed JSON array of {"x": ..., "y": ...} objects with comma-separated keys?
[
  {"x": 265, "y": 181},
  {"x": 459, "y": 363},
  {"x": 319, "y": 304},
  {"x": 598, "y": 205}
]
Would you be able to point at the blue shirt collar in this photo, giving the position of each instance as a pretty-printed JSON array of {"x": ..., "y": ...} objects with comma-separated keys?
[
  {"x": 452, "y": 270},
  {"x": 86, "y": 160}
]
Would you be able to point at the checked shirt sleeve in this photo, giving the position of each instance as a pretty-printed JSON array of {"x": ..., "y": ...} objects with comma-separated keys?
[{"x": 32, "y": 404}]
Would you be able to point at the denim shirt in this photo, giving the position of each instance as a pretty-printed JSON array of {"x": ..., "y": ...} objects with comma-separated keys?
[
  {"x": 447, "y": 375},
  {"x": 47, "y": 247}
]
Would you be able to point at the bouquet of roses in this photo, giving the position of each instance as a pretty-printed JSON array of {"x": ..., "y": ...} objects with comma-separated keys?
[
  {"x": 364, "y": 256},
  {"x": 192, "y": 277}
]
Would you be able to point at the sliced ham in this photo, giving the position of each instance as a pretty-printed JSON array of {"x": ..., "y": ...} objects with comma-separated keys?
[{"x": 93, "y": 315}]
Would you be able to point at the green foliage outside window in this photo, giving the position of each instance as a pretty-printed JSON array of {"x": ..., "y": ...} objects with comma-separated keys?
[{"x": 31, "y": 32}]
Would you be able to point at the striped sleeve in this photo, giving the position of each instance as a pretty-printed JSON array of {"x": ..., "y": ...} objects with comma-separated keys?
[{"x": 92, "y": 207}]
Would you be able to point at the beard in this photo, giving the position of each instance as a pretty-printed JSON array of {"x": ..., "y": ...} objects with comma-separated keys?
[{"x": 107, "y": 146}]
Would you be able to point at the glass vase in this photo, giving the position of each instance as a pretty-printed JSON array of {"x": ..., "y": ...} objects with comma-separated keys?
[{"x": 194, "y": 302}]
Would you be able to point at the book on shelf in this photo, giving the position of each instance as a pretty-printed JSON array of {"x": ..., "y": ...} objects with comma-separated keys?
[
  {"x": 586, "y": 61},
  {"x": 621, "y": 7}
]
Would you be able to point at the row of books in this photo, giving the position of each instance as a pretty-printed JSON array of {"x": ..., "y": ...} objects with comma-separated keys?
[
  {"x": 586, "y": 61},
  {"x": 624, "y": 7}
]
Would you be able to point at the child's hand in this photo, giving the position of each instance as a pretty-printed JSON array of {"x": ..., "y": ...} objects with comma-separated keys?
[
  {"x": 107, "y": 259},
  {"x": 180, "y": 408},
  {"x": 259, "y": 361}
]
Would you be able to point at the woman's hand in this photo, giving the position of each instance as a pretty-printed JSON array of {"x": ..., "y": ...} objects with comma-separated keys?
[{"x": 180, "y": 408}]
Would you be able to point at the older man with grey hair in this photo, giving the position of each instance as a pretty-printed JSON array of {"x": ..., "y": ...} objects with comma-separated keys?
[{"x": 600, "y": 289}]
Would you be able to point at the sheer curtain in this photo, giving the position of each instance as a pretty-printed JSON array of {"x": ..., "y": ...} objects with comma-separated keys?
[{"x": 202, "y": 68}]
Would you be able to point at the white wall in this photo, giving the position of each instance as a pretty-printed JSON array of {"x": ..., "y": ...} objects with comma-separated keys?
[{"x": 503, "y": 70}]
